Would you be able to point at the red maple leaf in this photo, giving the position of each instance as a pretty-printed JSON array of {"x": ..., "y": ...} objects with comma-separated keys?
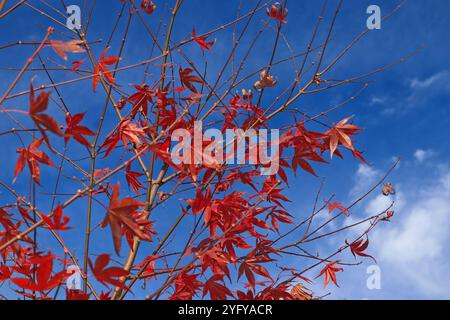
[
  {"x": 358, "y": 247},
  {"x": 244, "y": 177},
  {"x": 37, "y": 108},
  {"x": 280, "y": 215},
  {"x": 127, "y": 131},
  {"x": 278, "y": 292},
  {"x": 56, "y": 220},
  {"x": 330, "y": 273},
  {"x": 105, "y": 296},
  {"x": 341, "y": 133},
  {"x": 277, "y": 11},
  {"x": 216, "y": 290},
  {"x": 187, "y": 79},
  {"x": 33, "y": 157},
  {"x": 201, "y": 41},
  {"x": 132, "y": 179},
  {"x": 109, "y": 275},
  {"x": 76, "y": 65},
  {"x": 271, "y": 193},
  {"x": 148, "y": 266},
  {"x": 5, "y": 220},
  {"x": 161, "y": 150},
  {"x": 74, "y": 130},
  {"x": 337, "y": 205},
  {"x": 101, "y": 69},
  {"x": 141, "y": 99},
  {"x": 76, "y": 295},
  {"x": 5, "y": 273},
  {"x": 201, "y": 201},
  {"x": 186, "y": 286},
  {"x": 307, "y": 145},
  {"x": 120, "y": 213},
  {"x": 251, "y": 266},
  {"x": 44, "y": 280}
]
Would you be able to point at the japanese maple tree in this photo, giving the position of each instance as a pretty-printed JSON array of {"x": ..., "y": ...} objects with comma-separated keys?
[{"x": 94, "y": 184}]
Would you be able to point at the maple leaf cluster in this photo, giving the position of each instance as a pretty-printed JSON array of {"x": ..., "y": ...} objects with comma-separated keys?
[{"x": 230, "y": 219}]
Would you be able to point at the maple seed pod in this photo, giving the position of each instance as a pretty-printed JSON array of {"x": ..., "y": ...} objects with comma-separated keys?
[
  {"x": 266, "y": 81},
  {"x": 388, "y": 189}
]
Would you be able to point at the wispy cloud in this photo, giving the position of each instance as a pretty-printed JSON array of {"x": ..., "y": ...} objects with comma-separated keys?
[
  {"x": 376, "y": 100},
  {"x": 424, "y": 89},
  {"x": 417, "y": 92},
  {"x": 364, "y": 177},
  {"x": 438, "y": 80},
  {"x": 423, "y": 155}
]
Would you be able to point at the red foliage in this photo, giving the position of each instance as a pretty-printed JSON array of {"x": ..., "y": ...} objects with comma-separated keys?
[
  {"x": 187, "y": 79},
  {"x": 121, "y": 213},
  {"x": 74, "y": 130},
  {"x": 107, "y": 275},
  {"x": 358, "y": 247},
  {"x": 43, "y": 267},
  {"x": 32, "y": 156},
  {"x": 37, "y": 108},
  {"x": 101, "y": 70},
  {"x": 329, "y": 273},
  {"x": 201, "y": 41},
  {"x": 56, "y": 220},
  {"x": 221, "y": 230},
  {"x": 148, "y": 6},
  {"x": 278, "y": 12}
]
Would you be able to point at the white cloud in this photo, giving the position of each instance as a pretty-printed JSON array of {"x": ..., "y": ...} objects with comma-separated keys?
[
  {"x": 436, "y": 80},
  {"x": 365, "y": 176},
  {"x": 423, "y": 90},
  {"x": 381, "y": 203},
  {"x": 422, "y": 155},
  {"x": 378, "y": 100},
  {"x": 413, "y": 250},
  {"x": 419, "y": 93}
]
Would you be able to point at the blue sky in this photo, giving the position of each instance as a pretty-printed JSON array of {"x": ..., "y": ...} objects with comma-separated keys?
[{"x": 404, "y": 112}]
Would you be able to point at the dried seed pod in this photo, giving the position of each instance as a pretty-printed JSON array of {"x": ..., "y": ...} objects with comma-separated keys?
[
  {"x": 266, "y": 81},
  {"x": 388, "y": 189}
]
